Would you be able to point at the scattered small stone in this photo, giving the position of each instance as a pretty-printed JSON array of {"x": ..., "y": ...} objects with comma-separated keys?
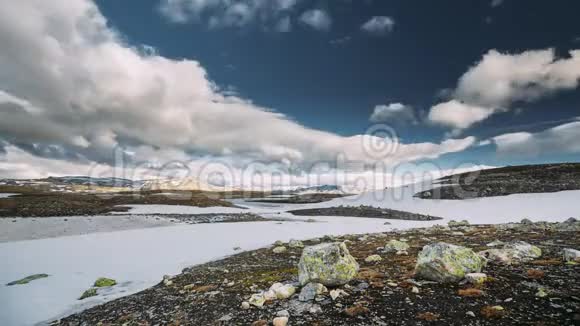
[
  {"x": 470, "y": 314},
  {"x": 470, "y": 292},
  {"x": 571, "y": 255},
  {"x": 475, "y": 278},
  {"x": 541, "y": 293},
  {"x": 373, "y": 258},
  {"x": 257, "y": 300},
  {"x": 283, "y": 313},
  {"x": 535, "y": 274},
  {"x": 428, "y": 316},
  {"x": 260, "y": 322},
  {"x": 245, "y": 305},
  {"x": 415, "y": 290},
  {"x": 280, "y": 321},
  {"x": 315, "y": 309},
  {"x": 493, "y": 312},
  {"x": 311, "y": 290},
  {"x": 495, "y": 243},
  {"x": 226, "y": 318},
  {"x": 295, "y": 244},
  {"x": 279, "y": 250},
  {"x": 396, "y": 246},
  {"x": 392, "y": 284},
  {"x": 356, "y": 310},
  {"x": 335, "y": 294},
  {"x": 453, "y": 223}
]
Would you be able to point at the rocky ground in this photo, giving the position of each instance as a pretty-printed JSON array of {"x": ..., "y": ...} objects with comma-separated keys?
[
  {"x": 506, "y": 181},
  {"x": 524, "y": 284},
  {"x": 300, "y": 199},
  {"x": 364, "y": 211},
  {"x": 214, "y": 218},
  {"x": 45, "y": 204}
]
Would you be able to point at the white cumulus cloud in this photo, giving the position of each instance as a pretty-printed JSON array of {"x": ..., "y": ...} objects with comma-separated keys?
[
  {"x": 71, "y": 90},
  {"x": 317, "y": 19},
  {"x": 394, "y": 112},
  {"x": 499, "y": 80},
  {"x": 379, "y": 25}
]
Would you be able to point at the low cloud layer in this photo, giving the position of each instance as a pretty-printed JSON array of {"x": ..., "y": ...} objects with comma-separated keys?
[
  {"x": 499, "y": 80},
  {"x": 72, "y": 90},
  {"x": 562, "y": 139}
]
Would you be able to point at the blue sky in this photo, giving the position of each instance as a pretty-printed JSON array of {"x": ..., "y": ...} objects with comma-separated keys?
[
  {"x": 334, "y": 86},
  {"x": 497, "y": 75}
]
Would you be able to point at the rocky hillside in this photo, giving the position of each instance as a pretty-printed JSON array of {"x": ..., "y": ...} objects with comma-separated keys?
[
  {"x": 515, "y": 274},
  {"x": 506, "y": 181}
]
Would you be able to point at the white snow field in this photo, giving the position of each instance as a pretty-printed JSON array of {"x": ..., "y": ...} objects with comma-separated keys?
[{"x": 139, "y": 258}]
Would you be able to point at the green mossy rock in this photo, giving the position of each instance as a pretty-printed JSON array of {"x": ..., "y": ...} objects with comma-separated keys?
[
  {"x": 88, "y": 293},
  {"x": 329, "y": 264},
  {"x": 103, "y": 282},
  {"x": 28, "y": 279},
  {"x": 443, "y": 262}
]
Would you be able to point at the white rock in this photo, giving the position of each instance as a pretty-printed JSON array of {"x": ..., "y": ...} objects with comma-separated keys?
[
  {"x": 475, "y": 278},
  {"x": 470, "y": 314},
  {"x": 335, "y": 294},
  {"x": 571, "y": 255},
  {"x": 285, "y": 291},
  {"x": 280, "y": 321},
  {"x": 279, "y": 250},
  {"x": 257, "y": 300},
  {"x": 415, "y": 290},
  {"x": 245, "y": 305},
  {"x": 270, "y": 295},
  {"x": 283, "y": 313}
]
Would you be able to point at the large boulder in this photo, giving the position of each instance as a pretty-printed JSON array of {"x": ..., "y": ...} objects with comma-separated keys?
[
  {"x": 329, "y": 263},
  {"x": 443, "y": 262},
  {"x": 512, "y": 253}
]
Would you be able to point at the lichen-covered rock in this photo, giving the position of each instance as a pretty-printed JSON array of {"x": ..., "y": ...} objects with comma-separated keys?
[
  {"x": 571, "y": 255},
  {"x": 329, "y": 263},
  {"x": 443, "y": 262},
  {"x": 396, "y": 246},
  {"x": 104, "y": 282},
  {"x": 454, "y": 223},
  {"x": 373, "y": 258},
  {"x": 282, "y": 291},
  {"x": 295, "y": 244},
  {"x": 257, "y": 300},
  {"x": 512, "y": 253},
  {"x": 475, "y": 278},
  {"x": 311, "y": 290}
]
